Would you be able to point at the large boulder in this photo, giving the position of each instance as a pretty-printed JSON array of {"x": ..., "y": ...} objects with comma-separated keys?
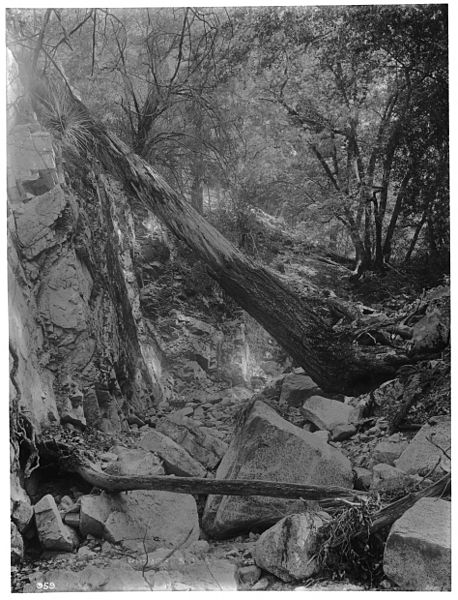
[
  {"x": 267, "y": 447},
  {"x": 52, "y": 531},
  {"x": 422, "y": 455},
  {"x": 296, "y": 389},
  {"x": 418, "y": 549},
  {"x": 141, "y": 519},
  {"x": 288, "y": 550},
  {"x": 329, "y": 414},
  {"x": 175, "y": 458},
  {"x": 205, "y": 448},
  {"x": 432, "y": 332}
]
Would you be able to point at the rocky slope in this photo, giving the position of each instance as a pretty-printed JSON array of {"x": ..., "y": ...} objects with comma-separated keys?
[{"x": 121, "y": 346}]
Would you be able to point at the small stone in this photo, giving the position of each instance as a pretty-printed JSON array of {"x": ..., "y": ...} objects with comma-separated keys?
[
  {"x": 343, "y": 432},
  {"x": 288, "y": 549},
  {"x": 181, "y": 587},
  {"x": 135, "y": 462},
  {"x": 328, "y": 414},
  {"x": 199, "y": 548},
  {"x": 178, "y": 415},
  {"x": 52, "y": 532},
  {"x": 261, "y": 585},
  {"x": 106, "y": 547},
  {"x": 108, "y": 456},
  {"x": 249, "y": 575},
  {"x": 322, "y": 435},
  {"x": 160, "y": 581},
  {"x": 385, "y": 477},
  {"x": 363, "y": 478},
  {"x": 296, "y": 389},
  {"x": 199, "y": 413},
  {"x": 388, "y": 451},
  {"x": 22, "y": 514},
  {"x": 65, "y": 503},
  {"x": 85, "y": 552}
]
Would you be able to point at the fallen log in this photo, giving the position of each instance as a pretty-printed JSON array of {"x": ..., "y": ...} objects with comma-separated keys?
[
  {"x": 389, "y": 514},
  {"x": 196, "y": 485}
]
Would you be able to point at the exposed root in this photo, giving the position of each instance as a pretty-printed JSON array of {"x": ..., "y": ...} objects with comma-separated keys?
[{"x": 346, "y": 547}]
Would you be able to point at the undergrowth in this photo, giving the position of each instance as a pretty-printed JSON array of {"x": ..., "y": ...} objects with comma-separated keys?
[{"x": 345, "y": 547}]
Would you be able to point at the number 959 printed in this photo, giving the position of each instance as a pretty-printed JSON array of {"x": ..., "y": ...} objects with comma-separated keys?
[{"x": 46, "y": 585}]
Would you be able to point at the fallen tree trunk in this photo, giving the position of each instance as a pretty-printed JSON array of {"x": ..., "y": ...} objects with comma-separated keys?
[
  {"x": 389, "y": 514},
  {"x": 332, "y": 360},
  {"x": 196, "y": 485}
]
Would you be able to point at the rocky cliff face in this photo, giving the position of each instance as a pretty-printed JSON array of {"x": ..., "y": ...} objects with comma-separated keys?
[{"x": 81, "y": 353}]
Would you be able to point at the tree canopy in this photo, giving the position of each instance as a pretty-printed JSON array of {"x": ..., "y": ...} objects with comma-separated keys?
[{"x": 336, "y": 117}]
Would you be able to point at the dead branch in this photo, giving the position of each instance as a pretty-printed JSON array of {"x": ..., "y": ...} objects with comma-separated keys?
[
  {"x": 386, "y": 516},
  {"x": 196, "y": 485}
]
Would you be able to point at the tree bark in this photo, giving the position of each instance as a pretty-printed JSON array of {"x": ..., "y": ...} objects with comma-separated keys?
[{"x": 330, "y": 359}]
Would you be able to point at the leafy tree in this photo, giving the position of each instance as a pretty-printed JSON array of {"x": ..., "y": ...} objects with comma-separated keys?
[{"x": 363, "y": 103}]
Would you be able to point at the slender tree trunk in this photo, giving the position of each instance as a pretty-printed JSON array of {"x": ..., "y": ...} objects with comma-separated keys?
[
  {"x": 368, "y": 233},
  {"x": 396, "y": 212},
  {"x": 416, "y": 235},
  {"x": 431, "y": 237},
  {"x": 361, "y": 262},
  {"x": 197, "y": 190},
  {"x": 197, "y": 167},
  {"x": 380, "y": 209}
]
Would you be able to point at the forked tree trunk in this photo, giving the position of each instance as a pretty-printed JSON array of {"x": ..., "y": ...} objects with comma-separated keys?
[{"x": 331, "y": 360}]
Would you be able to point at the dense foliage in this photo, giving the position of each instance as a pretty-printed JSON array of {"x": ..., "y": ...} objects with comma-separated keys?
[{"x": 334, "y": 119}]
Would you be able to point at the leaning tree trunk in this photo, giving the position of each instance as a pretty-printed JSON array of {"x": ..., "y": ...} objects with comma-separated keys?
[{"x": 332, "y": 361}]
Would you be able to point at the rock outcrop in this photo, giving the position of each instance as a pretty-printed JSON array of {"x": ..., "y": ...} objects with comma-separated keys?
[
  {"x": 81, "y": 353},
  {"x": 265, "y": 446},
  {"x": 74, "y": 306}
]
